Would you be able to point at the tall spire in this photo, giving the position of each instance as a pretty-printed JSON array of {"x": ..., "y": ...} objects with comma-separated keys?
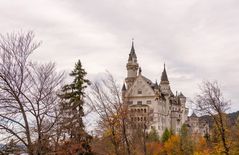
[
  {"x": 132, "y": 47},
  {"x": 132, "y": 51},
  {"x": 164, "y": 76}
]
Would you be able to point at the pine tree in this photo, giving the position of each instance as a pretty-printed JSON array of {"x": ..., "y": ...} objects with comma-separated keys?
[
  {"x": 72, "y": 106},
  {"x": 166, "y": 135}
]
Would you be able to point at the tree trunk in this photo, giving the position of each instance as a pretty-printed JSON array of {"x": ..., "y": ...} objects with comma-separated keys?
[
  {"x": 144, "y": 140},
  {"x": 116, "y": 147},
  {"x": 223, "y": 136},
  {"x": 126, "y": 138}
]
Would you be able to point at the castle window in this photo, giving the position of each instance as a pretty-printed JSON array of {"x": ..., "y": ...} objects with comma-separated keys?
[
  {"x": 148, "y": 102},
  {"x": 139, "y": 102},
  {"x": 130, "y": 102},
  {"x": 139, "y": 91},
  {"x": 144, "y": 110}
]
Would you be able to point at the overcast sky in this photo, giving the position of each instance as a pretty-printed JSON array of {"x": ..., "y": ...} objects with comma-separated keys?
[{"x": 197, "y": 39}]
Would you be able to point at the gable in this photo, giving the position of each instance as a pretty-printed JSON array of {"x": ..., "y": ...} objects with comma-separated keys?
[{"x": 139, "y": 88}]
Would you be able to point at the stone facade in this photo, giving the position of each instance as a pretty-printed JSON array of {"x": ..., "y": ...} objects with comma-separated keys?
[
  {"x": 151, "y": 104},
  {"x": 197, "y": 126}
]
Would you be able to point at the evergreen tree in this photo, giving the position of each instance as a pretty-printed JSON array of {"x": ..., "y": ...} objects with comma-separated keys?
[
  {"x": 166, "y": 135},
  {"x": 72, "y": 106}
]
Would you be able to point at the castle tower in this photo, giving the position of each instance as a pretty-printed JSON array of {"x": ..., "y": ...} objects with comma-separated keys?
[
  {"x": 182, "y": 98},
  {"x": 164, "y": 83},
  {"x": 184, "y": 110},
  {"x": 132, "y": 67}
]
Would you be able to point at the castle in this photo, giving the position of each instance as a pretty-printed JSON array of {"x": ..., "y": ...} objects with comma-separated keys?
[{"x": 151, "y": 104}]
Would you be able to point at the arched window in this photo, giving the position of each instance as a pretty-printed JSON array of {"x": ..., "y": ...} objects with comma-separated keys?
[{"x": 139, "y": 91}]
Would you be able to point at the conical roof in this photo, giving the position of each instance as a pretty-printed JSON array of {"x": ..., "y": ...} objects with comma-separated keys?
[
  {"x": 164, "y": 76},
  {"x": 181, "y": 95},
  {"x": 132, "y": 51},
  {"x": 193, "y": 114},
  {"x": 123, "y": 87},
  {"x": 156, "y": 86}
]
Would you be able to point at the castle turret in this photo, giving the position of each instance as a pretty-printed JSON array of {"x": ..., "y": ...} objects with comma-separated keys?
[
  {"x": 132, "y": 67},
  {"x": 164, "y": 83},
  {"x": 182, "y": 98},
  {"x": 184, "y": 110},
  {"x": 156, "y": 86}
]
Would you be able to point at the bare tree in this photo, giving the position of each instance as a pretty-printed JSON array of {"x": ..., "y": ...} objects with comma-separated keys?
[
  {"x": 27, "y": 93},
  {"x": 105, "y": 99},
  {"x": 211, "y": 101}
]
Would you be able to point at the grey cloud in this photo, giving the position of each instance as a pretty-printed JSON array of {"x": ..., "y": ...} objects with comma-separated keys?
[{"x": 197, "y": 39}]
